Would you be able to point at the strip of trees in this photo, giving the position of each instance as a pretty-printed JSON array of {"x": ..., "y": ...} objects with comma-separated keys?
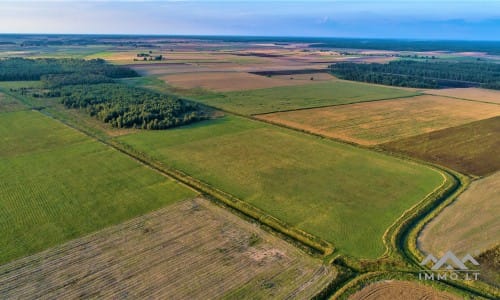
[{"x": 422, "y": 74}]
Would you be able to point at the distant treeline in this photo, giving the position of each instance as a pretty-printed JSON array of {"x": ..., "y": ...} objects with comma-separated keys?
[
  {"x": 422, "y": 74},
  {"x": 90, "y": 85},
  {"x": 18, "y": 69}
]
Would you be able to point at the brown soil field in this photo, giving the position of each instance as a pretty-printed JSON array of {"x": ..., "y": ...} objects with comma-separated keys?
[
  {"x": 470, "y": 224},
  {"x": 372, "y": 123},
  {"x": 400, "y": 290},
  {"x": 189, "y": 250},
  {"x": 477, "y": 94},
  {"x": 471, "y": 148},
  {"x": 229, "y": 81}
]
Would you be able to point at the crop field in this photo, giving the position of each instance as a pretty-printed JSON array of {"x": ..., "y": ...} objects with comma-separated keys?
[
  {"x": 395, "y": 289},
  {"x": 302, "y": 96},
  {"x": 477, "y": 94},
  {"x": 468, "y": 148},
  {"x": 383, "y": 121},
  {"x": 454, "y": 229},
  {"x": 56, "y": 184},
  {"x": 310, "y": 183},
  {"x": 228, "y": 81},
  {"x": 192, "y": 249}
]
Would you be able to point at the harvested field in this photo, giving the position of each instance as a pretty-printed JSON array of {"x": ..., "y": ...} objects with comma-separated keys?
[
  {"x": 310, "y": 183},
  {"x": 454, "y": 229},
  {"x": 299, "y": 96},
  {"x": 383, "y": 121},
  {"x": 395, "y": 289},
  {"x": 228, "y": 81},
  {"x": 477, "y": 94},
  {"x": 471, "y": 148},
  {"x": 189, "y": 250},
  {"x": 57, "y": 184}
]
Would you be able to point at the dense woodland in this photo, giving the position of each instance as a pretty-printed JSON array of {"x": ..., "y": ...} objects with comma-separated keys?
[
  {"x": 422, "y": 74},
  {"x": 90, "y": 85},
  {"x": 125, "y": 106}
]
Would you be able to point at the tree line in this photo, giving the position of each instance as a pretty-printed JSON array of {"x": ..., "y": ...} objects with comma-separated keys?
[
  {"x": 422, "y": 74},
  {"x": 18, "y": 69}
]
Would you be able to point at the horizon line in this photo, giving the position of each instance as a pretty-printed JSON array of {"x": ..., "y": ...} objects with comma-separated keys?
[{"x": 250, "y": 36}]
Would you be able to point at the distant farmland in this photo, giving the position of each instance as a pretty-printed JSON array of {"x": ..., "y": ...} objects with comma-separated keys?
[
  {"x": 476, "y": 94},
  {"x": 301, "y": 96},
  {"x": 329, "y": 189},
  {"x": 468, "y": 148},
  {"x": 56, "y": 184},
  {"x": 383, "y": 121},
  {"x": 232, "y": 81},
  {"x": 188, "y": 250}
]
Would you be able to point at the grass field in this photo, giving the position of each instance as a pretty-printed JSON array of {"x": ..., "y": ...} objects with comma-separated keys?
[
  {"x": 383, "y": 121},
  {"x": 482, "y": 95},
  {"x": 56, "y": 184},
  {"x": 396, "y": 289},
  {"x": 341, "y": 193},
  {"x": 8, "y": 104},
  {"x": 455, "y": 230},
  {"x": 188, "y": 250},
  {"x": 302, "y": 96},
  {"x": 468, "y": 148}
]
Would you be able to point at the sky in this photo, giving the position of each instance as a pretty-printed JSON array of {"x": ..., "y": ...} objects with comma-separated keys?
[{"x": 424, "y": 19}]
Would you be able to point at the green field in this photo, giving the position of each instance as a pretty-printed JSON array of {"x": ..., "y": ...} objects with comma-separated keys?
[
  {"x": 57, "y": 184},
  {"x": 259, "y": 101},
  {"x": 343, "y": 194}
]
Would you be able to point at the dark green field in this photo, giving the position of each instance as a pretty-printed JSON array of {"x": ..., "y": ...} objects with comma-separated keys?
[
  {"x": 57, "y": 184},
  {"x": 343, "y": 194},
  {"x": 251, "y": 102},
  {"x": 471, "y": 148}
]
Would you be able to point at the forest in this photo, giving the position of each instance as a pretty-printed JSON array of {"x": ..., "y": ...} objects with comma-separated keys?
[
  {"x": 422, "y": 74},
  {"x": 127, "y": 107},
  {"x": 90, "y": 85}
]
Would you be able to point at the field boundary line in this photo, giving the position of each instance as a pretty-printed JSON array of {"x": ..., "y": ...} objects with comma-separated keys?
[{"x": 329, "y": 105}]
